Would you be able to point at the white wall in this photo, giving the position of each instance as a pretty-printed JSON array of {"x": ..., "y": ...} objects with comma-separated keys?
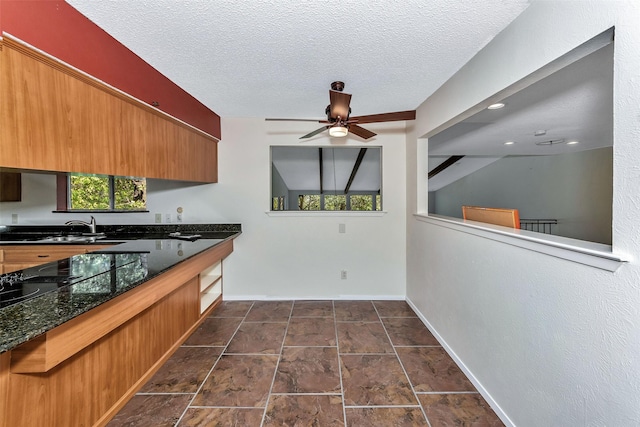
[
  {"x": 301, "y": 256},
  {"x": 276, "y": 256},
  {"x": 574, "y": 188},
  {"x": 164, "y": 197},
  {"x": 552, "y": 342}
]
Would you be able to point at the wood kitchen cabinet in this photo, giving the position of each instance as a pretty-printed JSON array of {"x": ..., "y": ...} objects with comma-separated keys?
[
  {"x": 82, "y": 372},
  {"x": 54, "y": 117},
  {"x": 10, "y": 187},
  {"x": 19, "y": 257}
]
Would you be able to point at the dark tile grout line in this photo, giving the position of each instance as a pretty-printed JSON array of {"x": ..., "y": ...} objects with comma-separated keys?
[
  {"x": 335, "y": 326},
  {"x": 213, "y": 366},
  {"x": 415, "y": 395},
  {"x": 275, "y": 372}
]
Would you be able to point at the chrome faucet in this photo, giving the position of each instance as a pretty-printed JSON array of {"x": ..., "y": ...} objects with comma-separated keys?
[{"x": 91, "y": 225}]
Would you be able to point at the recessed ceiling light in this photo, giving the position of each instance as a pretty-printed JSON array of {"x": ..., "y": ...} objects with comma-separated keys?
[
  {"x": 495, "y": 106},
  {"x": 573, "y": 142},
  {"x": 509, "y": 143},
  {"x": 540, "y": 132}
]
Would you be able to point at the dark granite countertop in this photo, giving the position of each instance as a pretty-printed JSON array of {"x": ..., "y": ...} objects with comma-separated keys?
[
  {"x": 140, "y": 254},
  {"x": 31, "y": 234}
]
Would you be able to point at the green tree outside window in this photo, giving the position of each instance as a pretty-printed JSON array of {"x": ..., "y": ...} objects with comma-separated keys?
[{"x": 101, "y": 192}]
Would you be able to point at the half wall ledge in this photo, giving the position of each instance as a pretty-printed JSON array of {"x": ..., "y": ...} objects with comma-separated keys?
[{"x": 588, "y": 253}]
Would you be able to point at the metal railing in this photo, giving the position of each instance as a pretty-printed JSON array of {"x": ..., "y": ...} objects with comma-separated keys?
[{"x": 538, "y": 225}]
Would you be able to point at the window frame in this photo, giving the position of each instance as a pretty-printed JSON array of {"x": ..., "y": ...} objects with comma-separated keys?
[
  {"x": 63, "y": 196},
  {"x": 294, "y": 195}
]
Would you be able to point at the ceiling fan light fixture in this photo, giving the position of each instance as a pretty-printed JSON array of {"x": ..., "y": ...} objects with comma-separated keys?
[{"x": 338, "y": 131}]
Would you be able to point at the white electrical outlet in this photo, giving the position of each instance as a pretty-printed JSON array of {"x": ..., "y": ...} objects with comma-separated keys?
[
  {"x": 343, "y": 274},
  {"x": 158, "y": 218},
  {"x": 342, "y": 228},
  {"x": 167, "y": 218},
  {"x": 14, "y": 218},
  {"x": 179, "y": 217}
]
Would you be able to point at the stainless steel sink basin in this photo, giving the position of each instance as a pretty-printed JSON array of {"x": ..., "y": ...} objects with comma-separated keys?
[{"x": 70, "y": 239}]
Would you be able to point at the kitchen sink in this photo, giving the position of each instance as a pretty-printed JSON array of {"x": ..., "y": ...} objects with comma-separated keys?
[{"x": 71, "y": 239}]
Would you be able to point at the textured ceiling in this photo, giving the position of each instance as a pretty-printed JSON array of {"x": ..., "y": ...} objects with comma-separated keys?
[{"x": 268, "y": 58}]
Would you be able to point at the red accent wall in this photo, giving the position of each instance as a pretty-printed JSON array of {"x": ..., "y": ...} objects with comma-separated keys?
[{"x": 58, "y": 29}]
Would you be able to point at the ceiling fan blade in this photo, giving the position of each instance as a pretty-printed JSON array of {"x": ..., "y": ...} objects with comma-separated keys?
[
  {"x": 387, "y": 117},
  {"x": 360, "y": 131},
  {"x": 293, "y": 120},
  {"x": 315, "y": 132},
  {"x": 339, "y": 104}
]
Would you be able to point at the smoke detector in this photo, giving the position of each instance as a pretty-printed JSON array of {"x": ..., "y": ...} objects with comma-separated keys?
[{"x": 551, "y": 142}]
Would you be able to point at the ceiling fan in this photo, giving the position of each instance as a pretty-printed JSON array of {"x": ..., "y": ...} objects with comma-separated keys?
[{"x": 339, "y": 120}]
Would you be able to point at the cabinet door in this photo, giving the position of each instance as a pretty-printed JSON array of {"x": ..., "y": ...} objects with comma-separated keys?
[
  {"x": 54, "y": 118},
  {"x": 12, "y": 266}
]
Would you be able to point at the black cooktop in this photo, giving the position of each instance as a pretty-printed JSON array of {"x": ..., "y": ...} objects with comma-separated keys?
[
  {"x": 56, "y": 276},
  {"x": 31, "y": 282}
]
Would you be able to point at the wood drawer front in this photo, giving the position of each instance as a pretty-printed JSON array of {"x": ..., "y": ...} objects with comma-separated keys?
[
  {"x": 10, "y": 268},
  {"x": 41, "y": 254}
]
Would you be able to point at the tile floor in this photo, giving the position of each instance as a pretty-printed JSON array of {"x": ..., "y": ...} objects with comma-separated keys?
[{"x": 309, "y": 363}]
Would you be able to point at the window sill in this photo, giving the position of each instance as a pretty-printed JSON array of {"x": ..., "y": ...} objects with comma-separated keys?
[
  {"x": 580, "y": 251},
  {"x": 94, "y": 211},
  {"x": 326, "y": 213}
]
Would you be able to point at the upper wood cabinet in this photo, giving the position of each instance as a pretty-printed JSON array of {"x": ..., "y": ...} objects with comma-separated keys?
[{"x": 56, "y": 118}]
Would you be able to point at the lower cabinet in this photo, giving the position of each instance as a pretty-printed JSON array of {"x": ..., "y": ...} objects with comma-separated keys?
[
  {"x": 84, "y": 371},
  {"x": 19, "y": 257}
]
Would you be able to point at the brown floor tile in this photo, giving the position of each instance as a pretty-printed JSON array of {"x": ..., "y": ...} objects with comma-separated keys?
[
  {"x": 369, "y": 380},
  {"x": 306, "y": 331},
  {"x": 152, "y": 410},
  {"x": 308, "y": 370},
  {"x": 394, "y": 309},
  {"x": 432, "y": 369},
  {"x": 300, "y": 383},
  {"x": 253, "y": 337},
  {"x": 222, "y": 417},
  {"x": 312, "y": 309},
  {"x": 388, "y": 417},
  {"x": 363, "y": 337},
  {"x": 444, "y": 410},
  {"x": 238, "y": 381},
  {"x": 408, "y": 331},
  {"x": 307, "y": 410},
  {"x": 184, "y": 371},
  {"x": 347, "y": 311},
  {"x": 214, "y": 332},
  {"x": 269, "y": 311},
  {"x": 232, "y": 309}
]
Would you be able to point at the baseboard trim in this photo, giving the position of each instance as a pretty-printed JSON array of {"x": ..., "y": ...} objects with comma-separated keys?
[
  {"x": 318, "y": 298},
  {"x": 485, "y": 394}
]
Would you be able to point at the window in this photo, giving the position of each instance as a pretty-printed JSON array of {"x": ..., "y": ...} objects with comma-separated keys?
[
  {"x": 364, "y": 202},
  {"x": 105, "y": 193},
  {"x": 309, "y": 202},
  {"x": 277, "y": 203},
  {"x": 547, "y": 151},
  {"x": 326, "y": 178},
  {"x": 335, "y": 202}
]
